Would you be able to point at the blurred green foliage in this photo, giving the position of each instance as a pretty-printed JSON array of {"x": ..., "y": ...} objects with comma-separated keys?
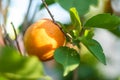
[
  {"x": 85, "y": 16},
  {"x": 15, "y": 66}
]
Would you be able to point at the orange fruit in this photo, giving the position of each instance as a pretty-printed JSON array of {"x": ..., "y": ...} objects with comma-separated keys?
[{"x": 42, "y": 38}]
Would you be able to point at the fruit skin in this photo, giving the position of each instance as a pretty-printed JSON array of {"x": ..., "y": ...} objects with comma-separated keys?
[{"x": 42, "y": 38}]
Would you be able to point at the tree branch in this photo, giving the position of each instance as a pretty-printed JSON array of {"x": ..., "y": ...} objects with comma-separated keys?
[
  {"x": 5, "y": 11},
  {"x": 16, "y": 37},
  {"x": 43, "y": 1},
  {"x": 25, "y": 21}
]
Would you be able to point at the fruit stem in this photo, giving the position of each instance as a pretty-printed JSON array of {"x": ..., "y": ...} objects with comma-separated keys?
[
  {"x": 16, "y": 37},
  {"x": 46, "y": 6}
]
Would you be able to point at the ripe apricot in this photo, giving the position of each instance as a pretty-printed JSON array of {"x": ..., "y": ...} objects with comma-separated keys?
[{"x": 42, "y": 38}]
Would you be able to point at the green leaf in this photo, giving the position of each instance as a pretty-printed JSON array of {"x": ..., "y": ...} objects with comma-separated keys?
[
  {"x": 48, "y": 2},
  {"x": 65, "y": 2},
  {"x": 68, "y": 57},
  {"x": 89, "y": 33},
  {"x": 116, "y": 31},
  {"x": 14, "y": 66},
  {"x": 3, "y": 78},
  {"x": 76, "y": 23},
  {"x": 95, "y": 48},
  {"x": 105, "y": 21},
  {"x": 81, "y": 5},
  {"x": 103, "y": 6}
]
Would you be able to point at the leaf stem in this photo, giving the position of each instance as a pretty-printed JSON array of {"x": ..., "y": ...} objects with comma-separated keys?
[
  {"x": 16, "y": 37},
  {"x": 46, "y": 6},
  {"x": 75, "y": 74},
  {"x": 82, "y": 32}
]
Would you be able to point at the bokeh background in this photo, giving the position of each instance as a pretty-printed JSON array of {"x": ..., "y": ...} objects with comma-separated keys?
[{"x": 25, "y": 12}]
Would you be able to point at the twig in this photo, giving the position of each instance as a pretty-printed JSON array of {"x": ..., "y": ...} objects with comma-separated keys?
[
  {"x": 25, "y": 22},
  {"x": 1, "y": 6},
  {"x": 6, "y": 38},
  {"x": 43, "y": 1},
  {"x": 35, "y": 11},
  {"x": 75, "y": 74},
  {"x": 82, "y": 32},
  {"x": 16, "y": 37},
  {"x": 5, "y": 11},
  {"x": 46, "y": 6}
]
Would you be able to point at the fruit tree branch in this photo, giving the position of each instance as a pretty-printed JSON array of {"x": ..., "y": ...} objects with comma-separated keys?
[
  {"x": 16, "y": 37},
  {"x": 46, "y": 6}
]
